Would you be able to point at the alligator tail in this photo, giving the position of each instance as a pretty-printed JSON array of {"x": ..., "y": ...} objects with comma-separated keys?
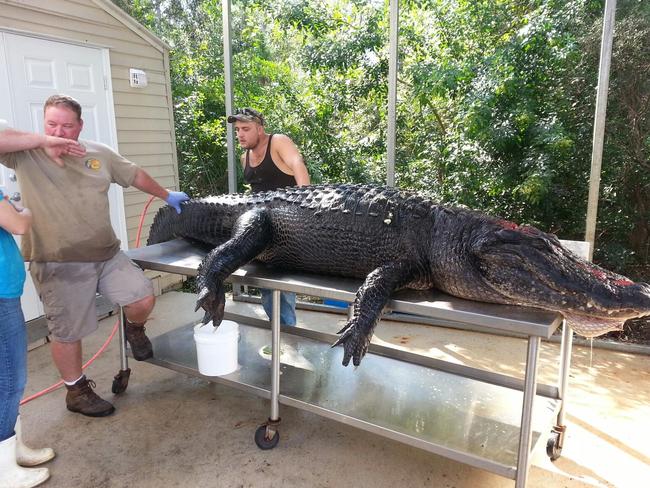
[{"x": 164, "y": 226}]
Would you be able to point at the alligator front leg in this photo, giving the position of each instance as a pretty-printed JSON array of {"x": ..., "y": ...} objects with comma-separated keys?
[
  {"x": 250, "y": 236},
  {"x": 368, "y": 305}
]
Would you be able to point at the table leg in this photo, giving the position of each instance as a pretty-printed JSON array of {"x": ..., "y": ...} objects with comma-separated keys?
[
  {"x": 267, "y": 435},
  {"x": 275, "y": 358},
  {"x": 565, "y": 367},
  {"x": 526, "y": 432},
  {"x": 124, "y": 360},
  {"x": 556, "y": 442},
  {"x": 121, "y": 379}
]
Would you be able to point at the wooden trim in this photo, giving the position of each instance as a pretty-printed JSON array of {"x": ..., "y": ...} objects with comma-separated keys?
[{"x": 132, "y": 24}]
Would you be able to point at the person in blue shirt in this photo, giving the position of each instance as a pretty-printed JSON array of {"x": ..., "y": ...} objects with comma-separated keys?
[{"x": 13, "y": 356}]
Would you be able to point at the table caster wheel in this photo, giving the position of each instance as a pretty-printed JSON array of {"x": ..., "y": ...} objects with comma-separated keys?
[
  {"x": 262, "y": 437},
  {"x": 553, "y": 449},
  {"x": 121, "y": 381}
]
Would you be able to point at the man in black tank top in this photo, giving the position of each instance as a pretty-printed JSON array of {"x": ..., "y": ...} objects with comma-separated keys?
[{"x": 268, "y": 167}]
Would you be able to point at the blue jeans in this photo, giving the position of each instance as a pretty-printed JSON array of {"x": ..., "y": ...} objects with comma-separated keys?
[
  {"x": 287, "y": 305},
  {"x": 13, "y": 363}
]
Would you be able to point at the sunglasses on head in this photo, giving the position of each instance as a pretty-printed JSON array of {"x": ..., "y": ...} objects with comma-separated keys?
[{"x": 248, "y": 113}]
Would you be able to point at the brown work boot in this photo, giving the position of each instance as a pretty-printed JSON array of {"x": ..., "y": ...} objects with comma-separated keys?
[
  {"x": 82, "y": 399},
  {"x": 140, "y": 344}
]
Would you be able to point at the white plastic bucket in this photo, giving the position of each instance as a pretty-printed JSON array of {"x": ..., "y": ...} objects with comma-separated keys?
[{"x": 216, "y": 349}]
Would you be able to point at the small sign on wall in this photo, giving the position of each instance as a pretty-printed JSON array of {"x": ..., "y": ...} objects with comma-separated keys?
[{"x": 137, "y": 78}]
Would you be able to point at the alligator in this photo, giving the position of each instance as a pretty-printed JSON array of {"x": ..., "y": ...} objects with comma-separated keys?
[{"x": 396, "y": 239}]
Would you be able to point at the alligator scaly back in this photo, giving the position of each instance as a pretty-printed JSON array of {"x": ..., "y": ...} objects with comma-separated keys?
[
  {"x": 394, "y": 239},
  {"x": 208, "y": 220}
]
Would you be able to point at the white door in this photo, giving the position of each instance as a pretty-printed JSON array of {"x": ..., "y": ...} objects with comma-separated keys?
[{"x": 37, "y": 68}]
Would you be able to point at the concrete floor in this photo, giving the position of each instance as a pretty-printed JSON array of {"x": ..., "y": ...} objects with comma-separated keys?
[{"x": 171, "y": 430}]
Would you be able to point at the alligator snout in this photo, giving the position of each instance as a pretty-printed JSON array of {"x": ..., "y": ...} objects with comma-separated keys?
[{"x": 528, "y": 267}]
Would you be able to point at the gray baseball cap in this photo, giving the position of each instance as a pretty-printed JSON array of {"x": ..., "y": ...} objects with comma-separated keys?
[{"x": 246, "y": 115}]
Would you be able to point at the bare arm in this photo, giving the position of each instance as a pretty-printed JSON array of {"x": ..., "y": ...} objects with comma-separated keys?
[
  {"x": 13, "y": 221},
  {"x": 147, "y": 184},
  {"x": 13, "y": 140},
  {"x": 291, "y": 157}
]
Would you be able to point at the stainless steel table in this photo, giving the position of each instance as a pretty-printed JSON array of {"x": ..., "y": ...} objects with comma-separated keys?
[{"x": 488, "y": 420}]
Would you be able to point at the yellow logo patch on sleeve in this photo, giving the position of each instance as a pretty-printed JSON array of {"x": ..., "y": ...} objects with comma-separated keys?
[{"x": 93, "y": 164}]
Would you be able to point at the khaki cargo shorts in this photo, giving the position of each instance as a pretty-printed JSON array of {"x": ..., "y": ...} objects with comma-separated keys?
[{"x": 68, "y": 290}]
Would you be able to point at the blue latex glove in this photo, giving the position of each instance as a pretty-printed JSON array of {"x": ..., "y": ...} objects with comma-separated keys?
[{"x": 175, "y": 198}]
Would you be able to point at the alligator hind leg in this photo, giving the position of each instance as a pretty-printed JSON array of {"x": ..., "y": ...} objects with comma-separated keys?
[
  {"x": 368, "y": 305},
  {"x": 250, "y": 236}
]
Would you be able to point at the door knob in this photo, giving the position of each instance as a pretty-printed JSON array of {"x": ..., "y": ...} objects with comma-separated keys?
[
  {"x": 16, "y": 196},
  {"x": 13, "y": 177}
]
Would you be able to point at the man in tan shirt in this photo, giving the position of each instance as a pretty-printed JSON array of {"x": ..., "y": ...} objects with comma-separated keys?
[{"x": 72, "y": 249}]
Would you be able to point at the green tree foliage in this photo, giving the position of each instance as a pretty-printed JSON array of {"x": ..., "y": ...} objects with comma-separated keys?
[
  {"x": 192, "y": 28},
  {"x": 495, "y": 101}
]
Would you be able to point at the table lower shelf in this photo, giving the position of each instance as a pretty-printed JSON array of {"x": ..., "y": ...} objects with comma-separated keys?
[{"x": 460, "y": 418}]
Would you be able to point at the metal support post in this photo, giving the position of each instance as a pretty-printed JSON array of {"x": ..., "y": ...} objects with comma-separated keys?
[
  {"x": 526, "y": 432},
  {"x": 599, "y": 122},
  {"x": 227, "y": 69},
  {"x": 392, "y": 92}
]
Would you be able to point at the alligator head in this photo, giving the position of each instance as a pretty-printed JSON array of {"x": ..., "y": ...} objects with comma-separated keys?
[{"x": 524, "y": 266}]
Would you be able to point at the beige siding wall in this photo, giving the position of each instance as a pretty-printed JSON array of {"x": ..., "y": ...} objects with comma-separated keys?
[{"x": 143, "y": 116}]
